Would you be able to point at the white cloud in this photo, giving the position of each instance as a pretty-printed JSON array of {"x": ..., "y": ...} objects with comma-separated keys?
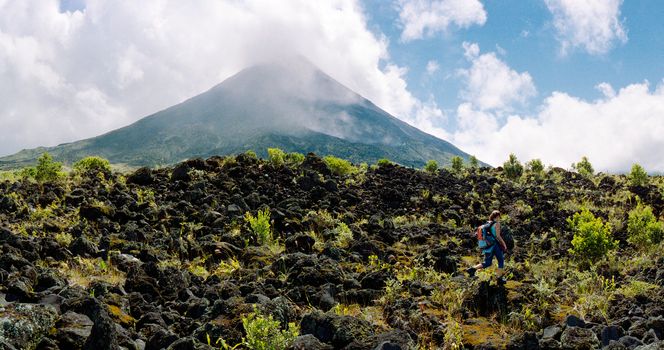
[
  {"x": 606, "y": 89},
  {"x": 614, "y": 131},
  {"x": 592, "y": 25},
  {"x": 66, "y": 76},
  {"x": 490, "y": 84},
  {"x": 422, "y": 18},
  {"x": 432, "y": 67},
  {"x": 429, "y": 119}
]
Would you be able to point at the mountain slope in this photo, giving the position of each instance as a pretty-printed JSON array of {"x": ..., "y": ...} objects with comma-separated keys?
[{"x": 290, "y": 105}]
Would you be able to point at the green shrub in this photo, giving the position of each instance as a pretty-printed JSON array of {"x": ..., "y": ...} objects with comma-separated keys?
[
  {"x": 339, "y": 166},
  {"x": 28, "y": 172},
  {"x": 643, "y": 228},
  {"x": 636, "y": 288},
  {"x": 584, "y": 167},
  {"x": 264, "y": 333},
  {"x": 457, "y": 164},
  {"x": 260, "y": 225},
  {"x": 64, "y": 239},
  {"x": 92, "y": 163},
  {"x": 11, "y": 175},
  {"x": 251, "y": 154},
  {"x": 343, "y": 235},
  {"x": 513, "y": 168},
  {"x": 592, "y": 237},
  {"x": 47, "y": 169},
  {"x": 431, "y": 166},
  {"x": 294, "y": 158},
  {"x": 535, "y": 166},
  {"x": 276, "y": 156},
  {"x": 383, "y": 162},
  {"x": 473, "y": 162},
  {"x": 638, "y": 176}
]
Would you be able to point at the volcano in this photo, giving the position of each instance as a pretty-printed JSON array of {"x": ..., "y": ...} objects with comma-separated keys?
[{"x": 289, "y": 105}]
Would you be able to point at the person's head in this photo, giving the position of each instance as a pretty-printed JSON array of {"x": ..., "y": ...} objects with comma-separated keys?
[{"x": 495, "y": 215}]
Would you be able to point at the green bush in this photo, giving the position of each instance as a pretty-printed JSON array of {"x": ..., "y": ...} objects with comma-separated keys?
[
  {"x": 92, "y": 163},
  {"x": 339, "y": 166},
  {"x": 584, "y": 167},
  {"x": 513, "y": 168},
  {"x": 431, "y": 166},
  {"x": 276, "y": 156},
  {"x": 383, "y": 162},
  {"x": 10, "y": 175},
  {"x": 638, "y": 176},
  {"x": 260, "y": 225},
  {"x": 28, "y": 172},
  {"x": 535, "y": 166},
  {"x": 264, "y": 333},
  {"x": 474, "y": 163},
  {"x": 592, "y": 237},
  {"x": 457, "y": 164},
  {"x": 294, "y": 158},
  {"x": 643, "y": 228},
  {"x": 47, "y": 169},
  {"x": 343, "y": 235}
]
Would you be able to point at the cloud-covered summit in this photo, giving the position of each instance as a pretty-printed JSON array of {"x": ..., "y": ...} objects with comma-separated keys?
[{"x": 66, "y": 75}]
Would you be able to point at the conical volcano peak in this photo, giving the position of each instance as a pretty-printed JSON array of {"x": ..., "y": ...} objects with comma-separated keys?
[
  {"x": 292, "y": 78},
  {"x": 287, "y": 103}
]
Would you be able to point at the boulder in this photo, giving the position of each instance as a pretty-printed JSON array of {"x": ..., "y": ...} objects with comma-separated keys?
[
  {"x": 657, "y": 324},
  {"x": 573, "y": 321},
  {"x": 650, "y": 337},
  {"x": 142, "y": 176},
  {"x": 524, "y": 341},
  {"x": 549, "y": 344},
  {"x": 72, "y": 330},
  {"x": 610, "y": 333},
  {"x": 579, "y": 338},
  {"x": 630, "y": 342},
  {"x": 330, "y": 328},
  {"x": 487, "y": 299},
  {"x": 653, "y": 346},
  {"x": 552, "y": 332},
  {"x": 23, "y": 325},
  {"x": 309, "y": 342}
]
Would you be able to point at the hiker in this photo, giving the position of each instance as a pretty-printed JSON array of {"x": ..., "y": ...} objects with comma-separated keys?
[{"x": 493, "y": 245}]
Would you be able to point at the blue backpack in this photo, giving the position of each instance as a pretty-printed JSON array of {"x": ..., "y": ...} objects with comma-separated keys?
[{"x": 485, "y": 237}]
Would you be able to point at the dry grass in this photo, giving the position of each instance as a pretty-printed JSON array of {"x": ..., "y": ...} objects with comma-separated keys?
[{"x": 82, "y": 272}]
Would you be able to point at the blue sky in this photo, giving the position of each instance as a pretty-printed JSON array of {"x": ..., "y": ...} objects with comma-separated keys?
[
  {"x": 548, "y": 79},
  {"x": 524, "y": 30}
]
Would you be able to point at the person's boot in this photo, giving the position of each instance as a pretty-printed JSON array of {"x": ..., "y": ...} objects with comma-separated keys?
[
  {"x": 502, "y": 280},
  {"x": 471, "y": 271}
]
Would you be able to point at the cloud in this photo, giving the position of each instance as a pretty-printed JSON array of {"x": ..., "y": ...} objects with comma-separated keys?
[
  {"x": 490, "y": 84},
  {"x": 593, "y": 25},
  {"x": 67, "y": 75},
  {"x": 432, "y": 67},
  {"x": 422, "y": 18},
  {"x": 614, "y": 131}
]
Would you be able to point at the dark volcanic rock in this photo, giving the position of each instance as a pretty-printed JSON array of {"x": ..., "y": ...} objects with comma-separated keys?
[
  {"x": 524, "y": 341},
  {"x": 23, "y": 325},
  {"x": 309, "y": 342},
  {"x": 338, "y": 331},
  {"x": 610, "y": 333},
  {"x": 579, "y": 338},
  {"x": 142, "y": 176},
  {"x": 488, "y": 298},
  {"x": 72, "y": 330}
]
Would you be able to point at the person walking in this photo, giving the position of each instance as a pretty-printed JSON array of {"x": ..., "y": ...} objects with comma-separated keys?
[{"x": 493, "y": 246}]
